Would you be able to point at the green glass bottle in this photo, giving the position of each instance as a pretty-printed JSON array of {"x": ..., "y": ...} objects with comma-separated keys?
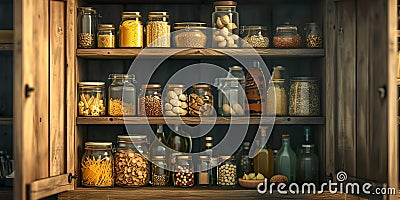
[{"x": 286, "y": 159}]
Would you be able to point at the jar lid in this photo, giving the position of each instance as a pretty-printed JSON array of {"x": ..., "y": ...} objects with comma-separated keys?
[
  {"x": 226, "y": 157},
  {"x": 306, "y": 79},
  {"x": 134, "y": 14},
  {"x": 278, "y": 80},
  {"x": 82, "y": 84},
  {"x": 127, "y": 137},
  {"x": 188, "y": 25},
  {"x": 235, "y": 68},
  {"x": 209, "y": 144},
  {"x": 98, "y": 144},
  {"x": 201, "y": 86},
  {"x": 225, "y": 3},
  {"x": 158, "y": 157},
  {"x": 103, "y": 27},
  {"x": 209, "y": 138},
  {"x": 286, "y": 27},
  {"x": 285, "y": 136},
  {"x": 308, "y": 145},
  {"x": 148, "y": 86},
  {"x": 121, "y": 76},
  {"x": 254, "y": 28},
  {"x": 204, "y": 157},
  {"x": 184, "y": 157},
  {"x": 87, "y": 10},
  {"x": 176, "y": 86},
  {"x": 246, "y": 144},
  {"x": 156, "y": 14},
  {"x": 229, "y": 80}
]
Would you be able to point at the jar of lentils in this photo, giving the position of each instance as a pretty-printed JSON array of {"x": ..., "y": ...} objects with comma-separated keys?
[
  {"x": 150, "y": 100},
  {"x": 131, "y": 30},
  {"x": 286, "y": 36},
  {"x": 106, "y": 36},
  {"x": 122, "y": 95},
  {"x": 91, "y": 99},
  {"x": 304, "y": 97},
  {"x": 201, "y": 101},
  {"x": 158, "y": 29},
  {"x": 175, "y": 101},
  {"x": 184, "y": 171},
  {"x": 160, "y": 173},
  {"x": 227, "y": 171}
]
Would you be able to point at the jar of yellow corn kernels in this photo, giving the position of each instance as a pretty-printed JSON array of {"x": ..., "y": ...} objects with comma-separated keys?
[{"x": 131, "y": 30}]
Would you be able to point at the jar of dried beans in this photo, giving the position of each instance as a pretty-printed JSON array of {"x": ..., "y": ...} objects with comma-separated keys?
[
  {"x": 313, "y": 35},
  {"x": 158, "y": 29},
  {"x": 91, "y": 99},
  {"x": 286, "y": 36},
  {"x": 97, "y": 165},
  {"x": 131, "y": 30},
  {"x": 150, "y": 100},
  {"x": 106, "y": 36},
  {"x": 122, "y": 95},
  {"x": 184, "y": 171},
  {"x": 190, "y": 34},
  {"x": 131, "y": 165},
  {"x": 87, "y": 24},
  {"x": 304, "y": 97},
  {"x": 201, "y": 101},
  {"x": 160, "y": 173},
  {"x": 175, "y": 100}
]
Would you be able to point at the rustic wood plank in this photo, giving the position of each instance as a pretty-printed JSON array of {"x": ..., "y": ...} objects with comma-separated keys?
[
  {"x": 54, "y": 185},
  {"x": 207, "y": 2},
  {"x": 6, "y": 120},
  {"x": 6, "y": 47}
]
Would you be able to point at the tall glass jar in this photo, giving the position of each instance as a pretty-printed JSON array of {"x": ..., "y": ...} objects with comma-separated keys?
[
  {"x": 256, "y": 90},
  {"x": 227, "y": 171},
  {"x": 175, "y": 100},
  {"x": 231, "y": 97},
  {"x": 150, "y": 100},
  {"x": 106, "y": 36},
  {"x": 184, "y": 171},
  {"x": 304, "y": 97},
  {"x": 158, "y": 29},
  {"x": 87, "y": 24},
  {"x": 160, "y": 173},
  {"x": 237, "y": 72},
  {"x": 201, "y": 101},
  {"x": 131, "y": 165},
  {"x": 313, "y": 35},
  {"x": 131, "y": 30},
  {"x": 190, "y": 34},
  {"x": 225, "y": 20},
  {"x": 246, "y": 163},
  {"x": 97, "y": 165},
  {"x": 255, "y": 36},
  {"x": 204, "y": 168},
  {"x": 308, "y": 170},
  {"x": 277, "y": 98},
  {"x": 122, "y": 95},
  {"x": 286, "y": 160},
  {"x": 91, "y": 99},
  {"x": 286, "y": 36}
]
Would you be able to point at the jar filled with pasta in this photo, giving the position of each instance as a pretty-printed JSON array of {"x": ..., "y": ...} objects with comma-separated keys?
[
  {"x": 91, "y": 99},
  {"x": 158, "y": 29},
  {"x": 131, "y": 30},
  {"x": 106, "y": 36}
]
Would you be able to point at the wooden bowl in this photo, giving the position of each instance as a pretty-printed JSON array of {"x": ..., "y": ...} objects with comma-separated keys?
[{"x": 249, "y": 183}]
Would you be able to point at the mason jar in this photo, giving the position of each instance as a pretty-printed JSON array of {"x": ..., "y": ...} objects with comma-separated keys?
[
  {"x": 230, "y": 97},
  {"x": 150, "y": 104},
  {"x": 87, "y": 24},
  {"x": 190, "y": 34},
  {"x": 158, "y": 29},
  {"x": 225, "y": 21},
  {"x": 131, "y": 30},
  {"x": 201, "y": 101},
  {"x": 184, "y": 171},
  {"x": 160, "y": 173},
  {"x": 286, "y": 36},
  {"x": 122, "y": 95},
  {"x": 91, "y": 99},
  {"x": 304, "y": 97},
  {"x": 277, "y": 98},
  {"x": 227, "y": 171},
  {"x": 313, "y": 35},
  {"x": 97, "y": 165},
  {"x": 106, "y": 36},
  {"x": 255, "y": 36},
  {"x": 175, "y": 101},
  {"x": 204, "y": 174}
]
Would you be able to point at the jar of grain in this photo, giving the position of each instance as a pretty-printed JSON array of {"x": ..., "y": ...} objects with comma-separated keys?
[
  {"x": 225, "y": 20},
  {"x": 255, "y": 36},
  {"x": 190, "y": 34},
  {"x": 158, "y": 29},
  {"x": 286, "y": 36},
  {"x": 204, "y": 175},
  {"x": 122, "y": 95},
  {"x": 184, "y": 171},
  {"x": 131, "y": 30},
  {"x": 160, "y": 173},
  {"x": 97, "y": 165},
  {"x": 106, "y": 36},
  {"x": 313, "y": 35},
  {"x": 87, "y": 24},
  {"x": 304, "y": 97},
  {"x": 132, "y": 168},
  {"x": 175, "y": 100},
  {"x": 150, "y": 100},
  {"x": 277, "y": 98},
  {"x": 91, "y": 99},
  {"x": 201, "y": 101},
  {"x": 227, "y": 171},
  {"x": 230, "y": 97}
]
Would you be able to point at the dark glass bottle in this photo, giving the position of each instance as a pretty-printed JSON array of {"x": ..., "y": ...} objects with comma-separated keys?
[
  {"x": 179, "y": 140},
  {"x": 156, "y": 149},
  {"x": 245, "y": 163},
  {"x": 308, "y": 170}
]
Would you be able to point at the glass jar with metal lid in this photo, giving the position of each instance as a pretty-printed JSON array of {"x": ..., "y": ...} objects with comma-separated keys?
[
  {"x": 184, "y": 171},
  {"x": 160, "y": 173},
  {"x": 227, "y": 171},
  {"x": 190, "y": 34},
  {"x": 286, "y": 36},
  {"x": 150, "y": 100},
  {"x": 276, "y": 98},
  {"x": 91, "y": 99},
  {"x": 131, "y": 165},
  {"x": 97, "y": 165},
  {"x": 158, "y": 29},
  {"x": 122, "y": 95},
  {"x": 131, "y": 30},
  {"x": 204, "y": 175},
  {"x": 87, "y": 24},
  {"x": 304, "y": 97},
  {"x": 255, "y": 36},
  {"x": 201, "y": 101},
  {"x": 230, "y": 97},
  {"x": 225, "y": 20},
  {"x": 175, "y": 100},
  {"x": 313, "y": 35},
  {"x": 106, "y": 36}
]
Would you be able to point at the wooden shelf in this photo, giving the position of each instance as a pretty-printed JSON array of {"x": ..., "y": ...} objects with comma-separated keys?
[
  {"x": 6, "y": 120},
  {"x": 196, "y": 120},
  {"x": 6, "y": 47},
  {"x": 196, "y": 53},
  {"x": 209, "y": 2}
]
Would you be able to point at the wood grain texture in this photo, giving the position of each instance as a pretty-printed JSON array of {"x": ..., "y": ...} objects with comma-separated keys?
[{"x": 54, "y": 185}]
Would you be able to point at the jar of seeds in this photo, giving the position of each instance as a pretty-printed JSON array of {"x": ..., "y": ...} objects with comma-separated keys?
[
  {"x": 175, "y": 100},
  {"x": 227, "y": 171},
  {"x": 91, "y": 99},
  {"x": 255, "y": 36},
  {"x": 150, "y": 100},
  {"x": 313, "y": 35},
  {"x": 190, "y": 34},
  {"x": 106, "y": 36},
  {"x": 122, "y": 95},
  {"x": 87, "y": 24},
  {"x": 131, "y": 30},
  {"x": 201, "y": 101},
  {"x": 184, "y": 171},
  {"x": 304, "y": 97},
  {"x": 286, "y": 36},
  {"x": 160, "y": 173},
  {"x": 158, "y": 29}
]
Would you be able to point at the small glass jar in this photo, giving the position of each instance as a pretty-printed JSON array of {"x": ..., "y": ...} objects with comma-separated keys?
[
  {"x": 277, "y": 98},
  {"x": 204, "y": 175},
  {"x": 286, "y": 36},
  {"x": 184, "y": 171},
  {"x": 132, "y": 168},
  {"x": 160, "y": 173},
  {"x": 190, "y": 34},
  {"x": 91, "y": 99},
  {"x": 230, "y": 97},
  {"x": 122, "y": 95},
  {"x": 158, "y": 29},
  {"x": 201, "y": 101},
  {"x": 106, "y": 36},
  {"x": 175, "y": 101},
  {"x": 237, "y": 72},
  {"x": 255, "y": 36},
  {"x": 227, "y": 171},
  {"x": 87, "y": 24},
  {"x": 304, "y": 97},
  {"x": 131, "y": 30},
  {"x": 97, "y": 165},
  {"x": 313, "y": 35},
  {"x": 225, "y": 20},
  {"x": 150, "y": 100},
  {"x": 308, "y": 167}
]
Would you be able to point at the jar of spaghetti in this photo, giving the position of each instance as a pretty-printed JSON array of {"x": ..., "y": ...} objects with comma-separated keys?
[
  {"x": 106, "y": 36},
  {"x": 158, "y": 29},
  {"x": 131, "y": 30}
]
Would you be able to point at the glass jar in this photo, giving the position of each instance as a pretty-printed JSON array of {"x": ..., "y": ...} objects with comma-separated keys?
[
  {"x": 308, "y": 170},
  {"x": 131, "y": 30},
  {"x": 230, "y": 97},
  {"x": 179, "y": 140},
  {"x": 227, "y": 171},
  {"x": 131, "y": 165},
  {"x": 184, "y": 171},
  {"x": 304, "y": 97},
  {"x": 190, "y": 34},
  {"x": 256, "y": 90},
  {"x": 277, "y": 98},
  {"x": 160, "y": 173},
  {"x": 204, "y": 175},
  {"x": 150, "y": 100},
  {"x": 158, "y": 30},
  {"x": 97, "y": 165},
  {"x": 91, "y": 100},
  {"x": 225, "y": 20},
  {"x": 245, "y": 163},
  {"x": 286, "y": 159},
  {"x": 201, "y": 101},
  {"x": 237, "y": 72},
  {"x": 87, "y": 24},
  {"x": 106, "y": 36},
  {"x": 313, "y": 35},
  {"x": 286, "y": 36},
  {"x": 175, "y": 101},
  {"x": 122, "y": 95},
  {"x": 255, "y": 36}
]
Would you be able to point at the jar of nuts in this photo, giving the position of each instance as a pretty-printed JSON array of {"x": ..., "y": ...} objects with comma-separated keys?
[
  {"x": 159, "y": 170},
  {"x": 255, "y": 36},
  {"x": 304, "y": 97},
  {"x": 87, "y": 24},
  {"x": 97, "y": 165},
  {"x": 313, "y": 35},
  {"x": 225, "y": 20},
  {"x": 158, "y": 29},
  {"x": 201, "y": 101},
  {"x": 230, "y": 97},
  {"x": 131, "y": 30},
  {"x": 286, "y": 36},
  {"x": 184, "y": 171},
  {"x": 227, "y": 171},
  {"x": 132, "y": 168},
  {"x": 122, "y": 95},
  {"x": 91, "y": 99},
  {"x": 150, "y": 100},
  {"x": 190, "y": 34},
  {"x": 175, "y": 100},
  {"x": 106, "y": 36}
]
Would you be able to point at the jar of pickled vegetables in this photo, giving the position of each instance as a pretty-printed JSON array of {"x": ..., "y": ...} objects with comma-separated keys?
[
  {"x": 91, "y": 99},
  {"x": 131, "y": 30},
  {"x": 106, "y": 36}
]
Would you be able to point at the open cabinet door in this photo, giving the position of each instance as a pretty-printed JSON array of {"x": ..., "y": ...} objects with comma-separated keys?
[{"x": 40, "y": 139}]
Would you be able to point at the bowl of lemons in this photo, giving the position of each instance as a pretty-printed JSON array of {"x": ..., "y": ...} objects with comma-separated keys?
[{"x": 251, "y": 180}]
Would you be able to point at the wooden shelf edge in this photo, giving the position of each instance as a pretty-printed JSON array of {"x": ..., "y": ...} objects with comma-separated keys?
[
  {"x": 6, "y": 120},
  {"x": 6, "y": 47}
]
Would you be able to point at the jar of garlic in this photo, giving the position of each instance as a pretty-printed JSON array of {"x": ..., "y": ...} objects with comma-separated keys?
[{"x": 225, "y": 20}]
